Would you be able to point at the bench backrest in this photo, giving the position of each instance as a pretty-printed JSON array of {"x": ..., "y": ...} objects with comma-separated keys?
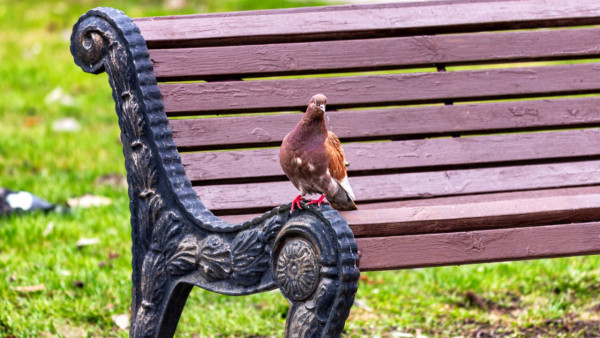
[{"x": 439, "y": 100}]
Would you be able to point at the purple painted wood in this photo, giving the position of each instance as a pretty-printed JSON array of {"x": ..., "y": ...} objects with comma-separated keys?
[
  {"x": 474, "y": 216},
  {"x": 372, "y": 54},
  {"x": 480, "y": 215},
  {"x": 401, "y": 252},
  {"x": 260, "y": 164},
  {"x": 274, "y": 95},
  {"x": 503, "y": 198},
  {"x": 490, "y": 197},
  {"x": 265, "y": 130},
  {"x": 248, "y": 198},
  {"x": 495, "y": 197},
  {"x": 346, "y": 22}
]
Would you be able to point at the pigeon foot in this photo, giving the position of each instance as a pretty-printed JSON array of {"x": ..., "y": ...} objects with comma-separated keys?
[
  {"x": 295, "y": 202},
  {"x": 317, "y": 202}
]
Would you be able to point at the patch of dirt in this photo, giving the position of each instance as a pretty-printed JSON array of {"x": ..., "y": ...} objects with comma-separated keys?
[
  {"x": 561, "y": 326},
  {"x": 550, "y": 328},
  {"x": 474, "y": 300},
  {"x": 113, "y": 180},
  {"x": 361, "y": 314},
  {"x": 364, "y": 278},
  {"x": 595, "y": 307}
]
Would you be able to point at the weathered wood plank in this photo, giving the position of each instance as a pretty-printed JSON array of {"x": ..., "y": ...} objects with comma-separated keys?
[
  {"x": 345, "y": 22},
  {"x": 354, "y": 91},
  {"x": 486, "y": 197},
  {"x": 260, "y": 164},
  {"x": 269, "y": 130},
  {"x": 372, "y": 54},
  {"x": 474, "y": 216},
  {"x": 230, "y": 198},
  {"x": 383, "y": 222},
  {"x": 461, "y": 200},
  {"x": 401, "y": 252}
]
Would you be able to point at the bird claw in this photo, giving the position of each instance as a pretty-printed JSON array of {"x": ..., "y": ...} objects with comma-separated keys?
[
  {"x": 318, "y": 202},
  {"x": 295, "y": 202}
]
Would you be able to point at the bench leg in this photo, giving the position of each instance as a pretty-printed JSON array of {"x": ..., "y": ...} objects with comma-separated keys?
[
  {"x": 311, "y": 257},
  {"x": 159, "y": 317},
  {"x": 315, "y": 266}
]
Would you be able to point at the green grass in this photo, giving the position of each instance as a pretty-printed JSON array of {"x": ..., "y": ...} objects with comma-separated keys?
[{"x": 547, "y": 295}]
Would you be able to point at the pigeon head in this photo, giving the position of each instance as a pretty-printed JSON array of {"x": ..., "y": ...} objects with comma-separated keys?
[
  {"x": 315, "y": 112},
  {"x": 319, "y": 100}
]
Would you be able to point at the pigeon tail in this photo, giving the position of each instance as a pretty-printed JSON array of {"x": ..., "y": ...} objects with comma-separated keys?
[{"x": 342, "y": 200}]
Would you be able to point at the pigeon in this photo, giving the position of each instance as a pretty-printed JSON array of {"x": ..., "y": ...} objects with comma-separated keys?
[
  {"x": 22, "y": 201},
  {"x": 313, "y": 160}
]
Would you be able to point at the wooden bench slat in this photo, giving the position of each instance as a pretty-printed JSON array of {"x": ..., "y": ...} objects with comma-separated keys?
[
  {"x": 344, "y": 22},
  {"x": 464, "y": 200},
  {"x": 474, "y": 216},
  {"x": 231, "y": 198},
  {"x": 371, "y": 54},
  {"x": 401, "y": 252},
  {"x": 441, "y": 152},
  {"x": 269, "y": 130},
  {"x": 390, "y": 89},
  {"x": 487, "y": 197},
  {"x": 382, "y": 222}
]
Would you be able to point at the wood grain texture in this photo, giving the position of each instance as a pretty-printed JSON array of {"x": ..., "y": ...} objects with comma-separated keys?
[
  {"x": 521, "y": 210},
  {"x": 400, "y": 252},
  {"x": 372, "y": 54},
  {"x": 355, "y": 91},
  {"x": 503, "y": 197},
  {"x": 441, "y": 153},
  {"x": 474, "y": 216},
  {"x": 231, "y": 198},
  {"x": 356, "y": 21},
  {"x": 485, "y": 197},
  {"x": 269, "y": 130}
]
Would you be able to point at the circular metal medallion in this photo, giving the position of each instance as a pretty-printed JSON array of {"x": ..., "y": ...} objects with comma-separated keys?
[{"x": 297, "y": 269}]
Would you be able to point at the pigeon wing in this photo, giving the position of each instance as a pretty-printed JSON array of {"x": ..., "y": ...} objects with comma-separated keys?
[{"x": 337, "y": 170}]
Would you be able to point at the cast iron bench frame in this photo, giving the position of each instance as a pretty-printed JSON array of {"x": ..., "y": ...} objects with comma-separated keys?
[{"x": 312, "y": 254}]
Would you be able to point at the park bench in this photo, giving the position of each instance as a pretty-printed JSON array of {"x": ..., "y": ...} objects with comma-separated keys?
[{"x": 471, "y": 128}]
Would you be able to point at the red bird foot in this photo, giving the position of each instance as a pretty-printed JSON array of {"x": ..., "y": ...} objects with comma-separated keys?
[
  {"x": 317, "y": 202},
  {"x": 295, "y": 202}
]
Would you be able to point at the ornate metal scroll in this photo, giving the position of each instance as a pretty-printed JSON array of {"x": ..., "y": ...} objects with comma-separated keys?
[{"x": 177, "y": 243}]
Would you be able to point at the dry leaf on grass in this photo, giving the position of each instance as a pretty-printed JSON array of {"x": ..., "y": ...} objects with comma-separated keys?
[
  {"x": 121, "y": 320},
  {"x": 87, "y": 241},
  {"x": 58, "y": 95},
  {"x": 175, "y": 4},
  {"x": 48, "y": 229},
  {"x": 32, "y": 121},
  {"x": 69, "y": 125},
  {"x": 87, "y": 201},
  {"x": 30, "y": 288}
]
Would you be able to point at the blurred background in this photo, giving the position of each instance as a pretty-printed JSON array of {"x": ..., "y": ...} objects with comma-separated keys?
[{"x": 67, "y": 273}]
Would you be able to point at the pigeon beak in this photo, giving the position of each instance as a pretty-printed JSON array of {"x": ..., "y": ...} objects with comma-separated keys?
[{"x": 322, "y": 107}]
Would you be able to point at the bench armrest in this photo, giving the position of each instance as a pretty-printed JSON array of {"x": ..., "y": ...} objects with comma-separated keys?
[{"x": 177, "y": 242}]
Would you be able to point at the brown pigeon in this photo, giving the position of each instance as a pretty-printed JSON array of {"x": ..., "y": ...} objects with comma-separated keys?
[{"x": 313, "y": 159}]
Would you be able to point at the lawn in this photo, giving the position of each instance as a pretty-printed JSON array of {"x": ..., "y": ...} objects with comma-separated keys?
[{"x": 81, "y": 291}]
